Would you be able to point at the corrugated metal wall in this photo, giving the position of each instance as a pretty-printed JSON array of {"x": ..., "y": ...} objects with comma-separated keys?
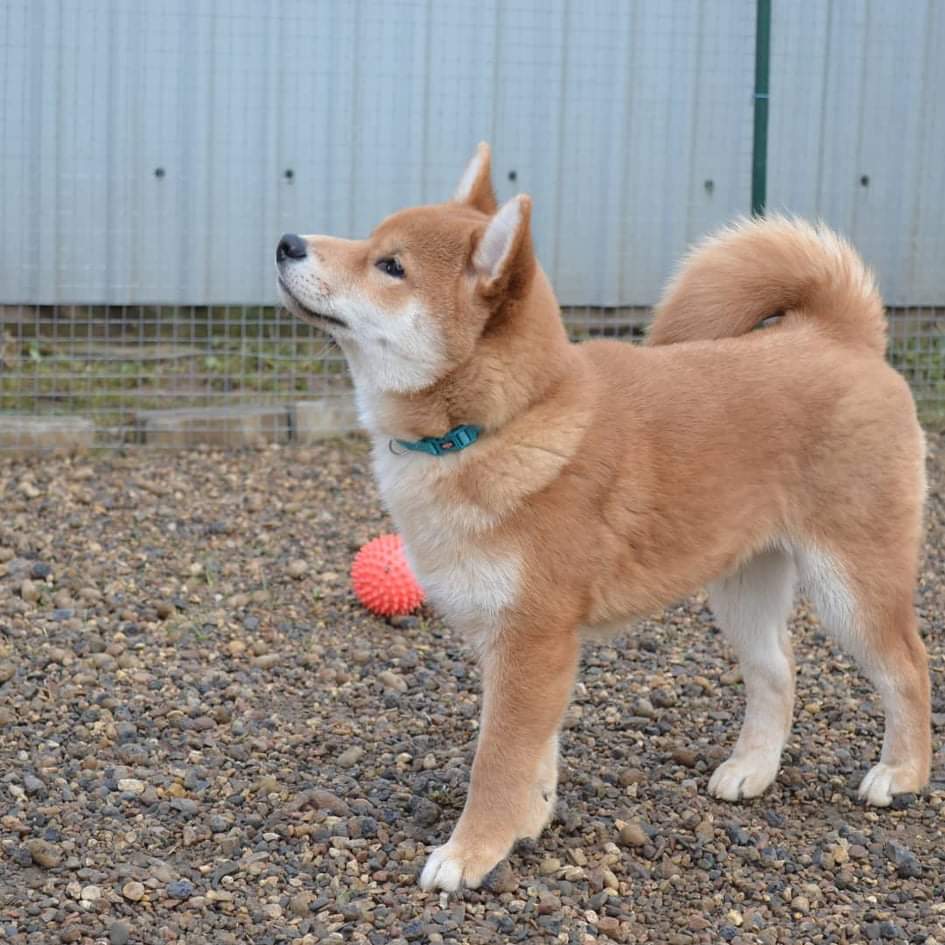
[
  {"x": 153, "y": 152},
  {"x": 857, "y": 131}
]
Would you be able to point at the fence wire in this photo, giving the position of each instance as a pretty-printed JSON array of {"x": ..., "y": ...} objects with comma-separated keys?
[{"x": 153, "y": 154}]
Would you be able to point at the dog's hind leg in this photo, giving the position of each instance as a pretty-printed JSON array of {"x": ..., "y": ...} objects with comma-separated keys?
[
  {"x": 752, "y": 607},
  {"x": 869, "y": 610}
]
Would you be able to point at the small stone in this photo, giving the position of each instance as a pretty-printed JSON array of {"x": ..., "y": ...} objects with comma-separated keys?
[
  {"x": 163, "y": 609},
  {"x": 801, "y": 904},
  {"x": 685, "y": 757},
  {"x": 548, "y": 904},
  {"x": 297, "y": 569},
  {"x": 132, "y": 786},
  {"x": 663, "y": 698},
  {"x": 730, "y": 678},
  {"x": 44, "y": 853},
  {"x": 133, "y": 891},
  {"x": 502, "y": 879},
  {"x": 7, "y": 671},
  {"x": 325, "y": 800},
  {"x": 633, "y": 835},
  {"x": 351, "y": 756},
  {"x": 267, "y": 785},
  {"x": 631, "y": 776},
  {"x": 34, "y": 786},
  {"x": 737, "y": 835},
  {"x": 393, "y": 681},
  {"x": 186, "y": 805},
  {"x": 71, "y": 933},
  {"x": 40, "y": 570},
  {"x": 907, "y": 866},
  {"x": 609, "y": 925},
  {"x": 299, "y": 903},
  {"x": 118, "y": 933},
  {"x": 644, "y": 708},
  {"x": 267, "y": 660},
  {"x": 180, "y": 889},
  {"x": 549, "y": 865},
  {"x": 29, "y": 592},
  {"x": 91, "y": 893}
]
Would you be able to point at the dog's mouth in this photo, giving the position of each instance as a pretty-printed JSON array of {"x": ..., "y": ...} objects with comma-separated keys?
[{"x": 305, "y": 313}]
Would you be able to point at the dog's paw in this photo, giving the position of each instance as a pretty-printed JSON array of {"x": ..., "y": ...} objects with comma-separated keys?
[
  {"x": 883, "y": 782},
  {"x": 744, "y": 776},
  {"x": 451, "y": 867}
]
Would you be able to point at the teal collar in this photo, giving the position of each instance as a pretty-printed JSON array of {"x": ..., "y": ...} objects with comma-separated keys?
[{"x": 457, "y": 439}]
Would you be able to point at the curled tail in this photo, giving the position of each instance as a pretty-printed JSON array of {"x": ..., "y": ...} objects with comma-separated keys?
[{"x": 759, "y": 267}]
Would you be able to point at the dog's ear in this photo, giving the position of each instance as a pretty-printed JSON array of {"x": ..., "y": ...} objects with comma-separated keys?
[
  {"x": 504, "y": 254},
  {"x": 475, "y": 188}
]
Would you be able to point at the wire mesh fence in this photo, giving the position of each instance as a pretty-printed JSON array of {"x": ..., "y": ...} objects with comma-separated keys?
[{"x": 153, "y": 154}]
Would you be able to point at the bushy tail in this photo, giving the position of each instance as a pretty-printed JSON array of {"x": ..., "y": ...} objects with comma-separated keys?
[{"x": 759, "y": 267}]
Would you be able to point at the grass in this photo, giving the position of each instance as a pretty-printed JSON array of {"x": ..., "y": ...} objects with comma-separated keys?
[{"x": 50, "y": 377}]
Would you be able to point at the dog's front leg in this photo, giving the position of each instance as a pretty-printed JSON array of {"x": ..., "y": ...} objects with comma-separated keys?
[{"x": 528, "y": 673}]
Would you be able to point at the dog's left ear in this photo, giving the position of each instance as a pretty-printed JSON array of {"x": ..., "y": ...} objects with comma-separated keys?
[
  {"x": 475, "y": 188},
  {"x": 503, "y": 256}
]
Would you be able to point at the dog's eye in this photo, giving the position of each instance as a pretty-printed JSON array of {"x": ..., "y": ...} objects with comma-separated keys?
[{"x": 391, "y": 267}]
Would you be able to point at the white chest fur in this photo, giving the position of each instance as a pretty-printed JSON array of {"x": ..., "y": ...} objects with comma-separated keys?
[{"x": 450, "y": 543}]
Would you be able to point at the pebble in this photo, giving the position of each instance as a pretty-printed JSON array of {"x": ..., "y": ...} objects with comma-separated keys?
[
  {"x": 351, "y": 756},
  {"x": 44, "y": 853},
  {"x": 133, "y": 891},
  {"x": 502, "y": 879},
  {"x": 180, "y": 889},
  {"x": 29, "y": 592},
  {"x": 118, "y": 933},
  {"x": 299, "y": 904},
  {"x": 631, "y": 776},
  {"x": 663, "y": 698},
  {"x": 393, "y": 681},
  {"x": 7, "y": 671},
  {"x": 267, "y": 660},
  {"x": 549, "y": 865},
  {"x": 91, "y": 893},
  {"x": 298, "y": 568},
  {"x": 132, "y": 786},
  {"x": 325, "y": 800},
  {"x": 633, "y": 835},
  {"x": 685, "y": 757}
]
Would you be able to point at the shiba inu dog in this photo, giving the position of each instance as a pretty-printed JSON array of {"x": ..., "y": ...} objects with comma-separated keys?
[{"x": 545, "y": 489}]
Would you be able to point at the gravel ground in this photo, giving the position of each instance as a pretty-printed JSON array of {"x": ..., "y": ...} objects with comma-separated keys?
[{"x": 203, "y": 739}]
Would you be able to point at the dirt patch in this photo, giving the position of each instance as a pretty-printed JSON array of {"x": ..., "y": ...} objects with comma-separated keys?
[{"x": 204, "y": 741}]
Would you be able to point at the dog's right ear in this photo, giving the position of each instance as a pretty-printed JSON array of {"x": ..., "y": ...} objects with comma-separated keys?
[
  {"x": 475, "y": 188},
  {"x": 504, "y": 257}
]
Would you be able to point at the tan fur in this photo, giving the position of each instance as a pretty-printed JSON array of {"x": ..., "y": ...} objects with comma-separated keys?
[{"x": 611, "y": 480}]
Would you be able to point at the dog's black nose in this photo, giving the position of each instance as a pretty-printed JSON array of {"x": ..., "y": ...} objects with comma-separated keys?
[{"x": 290, "y": 246}]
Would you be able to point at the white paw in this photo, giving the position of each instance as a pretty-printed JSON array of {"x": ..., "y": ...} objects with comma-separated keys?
[
  {"x": 744, "y": 776},
  {"x": 450, "y": 867},
  {"x": 883, "y": 782}
]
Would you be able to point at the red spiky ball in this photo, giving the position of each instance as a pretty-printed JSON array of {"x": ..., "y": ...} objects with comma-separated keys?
[{"x": 382, "y": 579}]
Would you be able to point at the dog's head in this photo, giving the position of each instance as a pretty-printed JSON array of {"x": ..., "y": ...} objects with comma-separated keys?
[{"x": 409, "y": 304}]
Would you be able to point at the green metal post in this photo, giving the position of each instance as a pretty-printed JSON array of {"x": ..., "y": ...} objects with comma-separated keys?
[{"x": 759, "y": 157}]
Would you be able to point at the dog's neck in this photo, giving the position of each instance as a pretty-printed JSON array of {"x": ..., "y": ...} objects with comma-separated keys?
[{"x": 522, "y": 355}]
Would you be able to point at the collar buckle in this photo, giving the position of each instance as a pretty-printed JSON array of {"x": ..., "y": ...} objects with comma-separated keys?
[{"x": 457, "y": 439}]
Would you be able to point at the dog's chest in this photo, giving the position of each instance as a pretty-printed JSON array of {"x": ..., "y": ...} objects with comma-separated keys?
[{"x": 450, "y": 543}]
